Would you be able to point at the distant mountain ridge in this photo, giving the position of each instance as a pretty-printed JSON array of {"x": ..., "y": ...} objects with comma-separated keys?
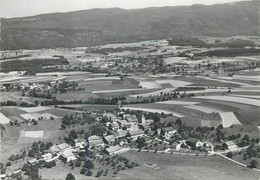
[{"x": 115, "y": 25}]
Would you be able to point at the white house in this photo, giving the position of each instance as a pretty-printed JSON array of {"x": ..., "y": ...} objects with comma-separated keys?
[
  {"x": 47, "y": 157},
  {"x": 230, "y": 145},
  {"x": 68, "y": 154}
]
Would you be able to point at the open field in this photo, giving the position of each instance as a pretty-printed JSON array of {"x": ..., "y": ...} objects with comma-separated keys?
[
  {"x": 249, "y": 116},
  {"x": 154, "y": 93},
  {"x": 132, "y": 93},
  {"x": 149, "y": 84},
  {"x": 60, "y": 172},
  {"x": 200, "y": 81},
  {"x": 241, "y": 100},
  {"x": 34, "y": 109},
  {"x": 115, "y": 91},
  {"x": 152, "y": 110},
  {"x": 29, "y": 116},
  {"x": 174, "y": 83},
  {"x": 226, "y": 106},
  {"x": 246, "y": 96},
  {"x": 32, "y": 134},
  {"x": 177, "y": 166},
  {"x": 92, "y": 107},
  {"x": 168, "y": 108},
  {"x": 15, "y": 138},
  {"x": 178, "y": 102},
  {"x": 203, "y": 109},
  {"x": 243, "y": 77},
  {"x": 103, "y": 78},
  {"x": 78, "y": 95},
  {"x": 60, "y": 112},
  {"x": 3, "y": 119},
  {"x": 228, "y": 119},
  {"x": 11, "y": 111}
]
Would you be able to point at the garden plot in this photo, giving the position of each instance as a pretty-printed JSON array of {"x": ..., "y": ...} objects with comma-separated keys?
[
  {"x": 203, "y": 109},
  {"x": 253, "y": 102},
  {"x": 228, "y": 119},
  {"x": 3, "y": 119},
  {"x": 153, "y": 110},
  {"x": 178, "y": 102},
  {"x": 34, "y": 109}
]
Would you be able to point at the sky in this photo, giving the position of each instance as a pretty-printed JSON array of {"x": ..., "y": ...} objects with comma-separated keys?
[{"x": 22, "y": 8}]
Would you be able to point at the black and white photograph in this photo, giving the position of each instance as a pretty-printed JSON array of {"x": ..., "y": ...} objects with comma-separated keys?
[{"x": 130, "y": 89}]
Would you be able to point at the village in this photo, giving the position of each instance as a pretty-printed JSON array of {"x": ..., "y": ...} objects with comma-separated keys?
[
  {"x": 122, "y": 131},
  {"x": 119, "y": 108}
]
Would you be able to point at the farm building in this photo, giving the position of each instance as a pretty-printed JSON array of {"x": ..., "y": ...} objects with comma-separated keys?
[
  {"x": 194, "y": 142},
  {"x": 47, "y": 157},
  {"x": 68, "y": 155},
  {"x": 113, "y": 150},
  {"x": 95, "y": 141},
  {"x": 148, "y": 121},
  {"x": 176, "y": 146},
  {"x": 110, "y": 138},
  {"x": 136, "y": 133},
  {"x": 168, "y": 131},
  {"x": 63, "y": 147},
  {"x": 230, "y": 145},
  {"x": 126, "y": 123},
  {"x": 33, "y": 161},
  {"x": 120, "y": 133},
  {"x": 3, "y": 176},
  {"x": 80, "y": 143},
  {"x": 54, "y": 149},
  {"x": 131, "y": 118}
]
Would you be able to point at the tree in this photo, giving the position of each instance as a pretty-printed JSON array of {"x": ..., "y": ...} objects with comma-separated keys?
[
  {"x": 83, "y": 171},
  {"x": 246, "y": 138},
  {"x": 70, "y": 177},
  {"x": 42, "y": 147},
  {"x": 229, "y": 154},
  {"x": 89, "y": 173},
  {"x": 90, "y": 164},
  {"x": 78, "y": 164},
  {"x": 8, "y": 163},
  {"x": 63, "y": 126},
  {"x": 254, "y": 164},
  {"x": 99, "y": 173}
]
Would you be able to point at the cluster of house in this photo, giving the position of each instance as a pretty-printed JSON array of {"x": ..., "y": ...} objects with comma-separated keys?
[
  {"x": 122, "y": 125},
  {"x": 66, "y": 151}
]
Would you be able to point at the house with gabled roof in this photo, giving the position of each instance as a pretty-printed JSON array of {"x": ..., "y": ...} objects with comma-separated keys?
[
  {"x": 230, "y": 145},
  {"x": 63, "y": 147},
  {"x": 113, "y": 149}
]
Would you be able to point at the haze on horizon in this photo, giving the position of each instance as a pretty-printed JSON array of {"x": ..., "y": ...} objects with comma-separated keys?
[{"x": 23, "y": 8}]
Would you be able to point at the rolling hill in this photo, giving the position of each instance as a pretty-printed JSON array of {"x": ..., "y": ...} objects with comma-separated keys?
[{"x": 102, "y": 26}]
